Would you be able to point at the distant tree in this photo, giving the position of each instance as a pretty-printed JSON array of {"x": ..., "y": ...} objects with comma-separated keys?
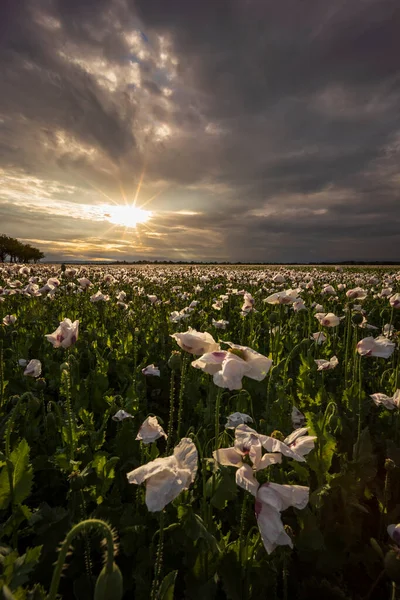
[{"x": 17, "y": 251}]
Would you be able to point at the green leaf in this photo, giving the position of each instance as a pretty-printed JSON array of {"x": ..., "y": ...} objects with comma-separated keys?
[
  {"x": 24, "y": 565},
  {"x": 167, "y": 587},
  {"x": 22, "y": 476}
]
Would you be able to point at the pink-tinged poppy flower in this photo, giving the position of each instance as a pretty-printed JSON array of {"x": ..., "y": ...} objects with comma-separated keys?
[
  {"x": 278, "y": 278},
  {"x": 385, "y": 292},
  {"x": 151, "y": 370},
  {"x": 247, "y": 444},
  {"x": 271, "y": 500},
  {"x": 248, "y": 303},
  {"x": 296, "y": 445},
  {"x": 221, "y": 324},
  {"x": 121, "y": 415},
  {"x": 328, "y": 290},
  {"x": 65, "y": 335},
  {"x": 84, "y": 283},
  {"x": 328, "y": 319},
  {"x": 9, "y": 320},
  {"x": 99, "y": 297},
  {"x": 280, "y": 298},
  {"x": 53, "y": 281},
  {"x": 196, "y": 342},
  {"x": 326, "y": 365},
  {"x": 298, "y": 419},
  {"x": 389, "y": 402},
  {"x": 299, "y": 305},
  {"x": 150, "y": 431},
  {"x": 167, "y": 477},
  {"x": 380, "y": 346},
  {"x": 395, "y": 301},
  {"x": 318, "y": 337},
  {"x": 33, "y": 368},
  {"x": 236, "y": 419},
  {"x": 357, "y": 293},
  {"x": 229, "y": 367},
  {"x": 388, "y": 330},
  {"x": 394, "y": 532}
]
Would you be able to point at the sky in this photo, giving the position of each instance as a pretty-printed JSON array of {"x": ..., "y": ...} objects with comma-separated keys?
[{"x": 215, "y": 130}]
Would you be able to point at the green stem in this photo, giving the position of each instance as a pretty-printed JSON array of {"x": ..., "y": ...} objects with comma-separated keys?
[
  {"x": 171, "y": 410},
  {"x": 1, "y": 375},
  {"x": 217, "y": 411},
  {"x": 70, "y": 416},
  {"x": 159, "y": 560},
  {"x": 359, "y": 398},
  {"x": 393, "y": 592},
  {"x": 181, "y": 393},
  {"x": 83, "y": 526}
]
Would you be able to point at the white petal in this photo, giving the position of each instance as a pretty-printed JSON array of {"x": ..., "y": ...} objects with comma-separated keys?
[
  {"x": 228, "y": 457},
  {"x": 246, "y": 480}
]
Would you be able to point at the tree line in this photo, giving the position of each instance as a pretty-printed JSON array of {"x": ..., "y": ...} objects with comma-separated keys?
[{"x": 16, "y": 251}]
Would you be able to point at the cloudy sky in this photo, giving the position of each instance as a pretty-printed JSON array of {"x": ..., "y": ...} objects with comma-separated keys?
[{"x": 243, "y": 130}]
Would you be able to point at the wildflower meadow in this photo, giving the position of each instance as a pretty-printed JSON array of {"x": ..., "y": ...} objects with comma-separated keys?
[{"x": 199, "y": 432}]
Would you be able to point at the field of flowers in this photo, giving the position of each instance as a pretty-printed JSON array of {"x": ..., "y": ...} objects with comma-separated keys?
[{"x": 199, "y": 433}]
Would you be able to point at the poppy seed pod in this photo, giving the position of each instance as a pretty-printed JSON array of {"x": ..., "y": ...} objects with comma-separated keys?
[
  {"x": 109, "y": 586},
  {"x": 357, "y": 318}
]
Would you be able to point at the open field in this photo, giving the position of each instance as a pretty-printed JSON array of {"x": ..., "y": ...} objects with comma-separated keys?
[{"x": 221, "y": 432}]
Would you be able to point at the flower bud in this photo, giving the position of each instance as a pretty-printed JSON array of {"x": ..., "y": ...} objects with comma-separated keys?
[
  {"x": 277, "y": 435},
  {"x": 109, "y": 586},
  {"x": 390, "y": 465},
  {"x": 64, "y": 366},
  {"x": 50, "y": 421},
  {"x": 273, "y": 318},
  {"x": 175, "y": 361},
  {"x": 34, "y": 403},
  {"x": 41, "y": 383},
  {"x": 392, "y": 565},
  {"x": 237, "y": 352}
]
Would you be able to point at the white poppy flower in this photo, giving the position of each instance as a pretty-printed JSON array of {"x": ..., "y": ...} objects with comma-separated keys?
[
  {"x": 9, "y": 320},
  {"x": 151, "y": 370},
  {"x": 229, "y": 367},
  {"x": 196, "y": 342},
  {"x": 221, "y": 324},
  {"x": 379, "y": 346},
  {"x": 271, "y": 499},
  {"x": 167, "y": 477},
  {"x": 389, "y": 402},
  {"x": 326, "y": 365},
  {"x": 65, "y": 335},
  {"x": 99, "y": 297},
  {"x": 328, "y": 319},
  {"x": 395, "y": 301},
  {"x": 150, "y": 431},
  {"x": 34, "y": 368},
  {"x": 319, "y": 337},
  {"x": 298, "y": 419},
  {"x": 120, "y": 415},
  {"x": 295, "y": 446},
  {"x": 237, "y": 418},
  {"x": 357, "y": 293}
]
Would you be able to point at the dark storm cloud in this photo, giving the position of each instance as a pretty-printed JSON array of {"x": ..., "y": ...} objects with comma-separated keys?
[{"x": 278, "y": 122}]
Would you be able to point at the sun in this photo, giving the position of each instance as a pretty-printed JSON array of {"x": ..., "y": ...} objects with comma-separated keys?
[{"x": 125, "y": 215}]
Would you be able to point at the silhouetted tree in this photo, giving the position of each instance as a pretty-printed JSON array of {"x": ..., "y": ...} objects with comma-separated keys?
[{"x": 17, "y": 251}]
